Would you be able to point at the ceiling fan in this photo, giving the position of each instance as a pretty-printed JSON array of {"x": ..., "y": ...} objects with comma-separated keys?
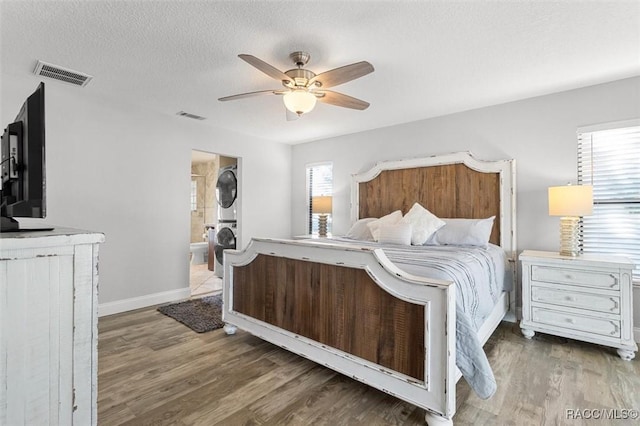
[{"x": 303, "y": 87}]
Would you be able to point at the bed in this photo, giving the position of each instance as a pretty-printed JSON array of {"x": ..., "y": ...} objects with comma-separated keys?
[{"x": 357, "y": 308}]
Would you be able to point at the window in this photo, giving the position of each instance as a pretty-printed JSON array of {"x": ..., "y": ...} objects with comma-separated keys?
[
  {"x": 194, "y": 195},
  {"x": 609, "y": 159},
  {"x": 319, "y": 182}
]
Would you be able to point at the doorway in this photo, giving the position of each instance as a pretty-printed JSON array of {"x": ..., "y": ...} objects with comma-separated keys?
[
  {"x": 204, "y": 172},
  {"x": 214, "y": 213}
]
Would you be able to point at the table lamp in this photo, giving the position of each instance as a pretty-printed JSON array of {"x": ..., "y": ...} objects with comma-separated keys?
[
  {"x": 570, "y": 202},
  {"x": 322, "y": 206}
]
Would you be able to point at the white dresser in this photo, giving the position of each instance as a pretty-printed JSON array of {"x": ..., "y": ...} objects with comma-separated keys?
[
  {"x": 587, "y": 298},
  {"x": 48, "y": 327}
]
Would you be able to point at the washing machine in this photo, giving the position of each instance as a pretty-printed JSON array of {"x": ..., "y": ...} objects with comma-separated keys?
[
  {"x": 227, "y": 193},
  {"x": 225, "y": 239}
]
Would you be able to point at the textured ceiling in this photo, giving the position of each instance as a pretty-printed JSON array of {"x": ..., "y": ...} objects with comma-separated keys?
[{"x": 431, "y": 57}]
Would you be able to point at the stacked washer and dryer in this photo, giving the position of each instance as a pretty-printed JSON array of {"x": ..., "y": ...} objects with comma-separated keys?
[{"x": 227, "y": 195}]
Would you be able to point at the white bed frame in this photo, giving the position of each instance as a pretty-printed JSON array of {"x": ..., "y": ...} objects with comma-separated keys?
[{"x": 436, "y": 393}]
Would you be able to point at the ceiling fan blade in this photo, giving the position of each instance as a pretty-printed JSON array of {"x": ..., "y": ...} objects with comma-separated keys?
[
  {"x": 341, "y": 100},
  {"x": 269, "y": 70},
  {"x": 249, "y": 94},
  {"x": 341, "y": 75}
]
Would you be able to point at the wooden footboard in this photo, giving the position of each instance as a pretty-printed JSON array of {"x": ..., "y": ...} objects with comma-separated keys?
[
  {"x": 336, "y": 306},
  {"x": 351, "y": 309}
]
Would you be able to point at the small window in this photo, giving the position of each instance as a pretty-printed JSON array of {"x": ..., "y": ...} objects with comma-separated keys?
[
  {"x": 609, "y": 159},
  {"x": 194, "y": 195},
  {"x": 319, "y": 183}
]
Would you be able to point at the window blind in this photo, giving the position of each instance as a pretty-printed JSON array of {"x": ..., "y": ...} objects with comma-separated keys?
[
  {"x": 319, "y": 182},
  {"x": 610, "y": 161}
]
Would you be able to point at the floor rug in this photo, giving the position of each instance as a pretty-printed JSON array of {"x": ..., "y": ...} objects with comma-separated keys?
[{"x": 200, "y": 315}]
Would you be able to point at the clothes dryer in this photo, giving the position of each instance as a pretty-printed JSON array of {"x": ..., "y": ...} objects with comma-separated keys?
[
  {"x": 225, "y": 239},
  {"x": 227, "y": 193}
]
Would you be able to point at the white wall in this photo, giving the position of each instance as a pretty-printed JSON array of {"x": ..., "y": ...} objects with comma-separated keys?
[
  {"x": 124, "y": 171},
  {"x": 540, "y": 133}
]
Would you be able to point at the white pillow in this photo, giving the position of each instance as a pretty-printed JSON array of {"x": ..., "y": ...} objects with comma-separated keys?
[
  {"x": 360, "y": 230},
  {"x": 390, "y": 219},
  {"x": 395, "y": 234},
  {"x": 423, "y": 223},
  {"x": 464, "y": 232}
]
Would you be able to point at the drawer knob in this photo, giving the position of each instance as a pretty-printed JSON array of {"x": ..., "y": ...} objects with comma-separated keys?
[
  {"x": 571, "y": 320},
  {"x": 570, "y": 298},
  {"x": 569, "y": 276},
  {"x": 616, "y": 329}
]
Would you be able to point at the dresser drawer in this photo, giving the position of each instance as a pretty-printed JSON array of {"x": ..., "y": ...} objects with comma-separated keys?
[
  {"x": 586, "y": 278},
  {"x": 569, "y": 321},
  {"x": 574, "y": 299}
]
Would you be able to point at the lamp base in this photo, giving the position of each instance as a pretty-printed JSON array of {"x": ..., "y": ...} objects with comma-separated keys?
[
  {"x": 322, "y": 225},
  {"x": 569, "y": 236}
]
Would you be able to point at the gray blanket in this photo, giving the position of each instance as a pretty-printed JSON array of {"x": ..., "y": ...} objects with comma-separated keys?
[{"x": 479, "y": 277}]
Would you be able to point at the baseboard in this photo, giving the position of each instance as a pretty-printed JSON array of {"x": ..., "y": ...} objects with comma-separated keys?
[
  {"x": 510, "y": 317},
  {"x": 125, "y": 305},
  {"x": 636, "y": 334}
]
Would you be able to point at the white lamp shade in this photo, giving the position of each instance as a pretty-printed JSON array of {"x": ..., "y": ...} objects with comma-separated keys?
[
  {"x": 322, "y": 204},
  {"x": 299, "y": 101},
  {"x": 571, "y": 200}
]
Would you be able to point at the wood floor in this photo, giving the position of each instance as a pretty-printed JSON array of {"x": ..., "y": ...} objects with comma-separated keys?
[{"x": 155, "y": 371}]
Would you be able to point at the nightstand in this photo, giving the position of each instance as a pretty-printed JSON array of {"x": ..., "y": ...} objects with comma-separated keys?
[{"x": 588, "y": 298}]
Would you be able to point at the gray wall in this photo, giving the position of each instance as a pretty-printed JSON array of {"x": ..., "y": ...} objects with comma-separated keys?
[
  {"x": 540, "y": 133},
  {"x": 104, "y": 160},
  {"x": 124, "y": 171}
]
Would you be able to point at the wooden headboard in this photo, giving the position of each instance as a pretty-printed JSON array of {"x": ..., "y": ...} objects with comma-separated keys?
[{"x": 450, "y": 186}]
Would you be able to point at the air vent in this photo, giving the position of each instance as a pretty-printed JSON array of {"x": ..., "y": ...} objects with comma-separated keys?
[
  {"x": 189, "y": 115},
  {"x": 62, "y": 74}
]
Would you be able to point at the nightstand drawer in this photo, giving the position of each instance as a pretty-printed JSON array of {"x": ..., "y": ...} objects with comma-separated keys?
[
  {"x": 569, "y": 321},
  {"x": 574, "y": 299},
  {"x": 586, "y": 278}
]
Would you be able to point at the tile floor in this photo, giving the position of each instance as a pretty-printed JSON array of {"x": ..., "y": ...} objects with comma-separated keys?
[{"x": 203, "y": 282}]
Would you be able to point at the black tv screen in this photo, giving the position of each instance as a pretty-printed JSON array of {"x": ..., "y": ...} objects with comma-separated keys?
[{"x": 23, "y": 164}]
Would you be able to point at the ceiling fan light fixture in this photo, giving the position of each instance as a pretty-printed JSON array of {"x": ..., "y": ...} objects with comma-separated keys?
[
  {"x": 301, "y": 85},
  {"x": 299, "y": 101}
]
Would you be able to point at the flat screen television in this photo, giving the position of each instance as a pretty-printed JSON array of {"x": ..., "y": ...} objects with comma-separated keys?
[{"x": 23, "y": 165}]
